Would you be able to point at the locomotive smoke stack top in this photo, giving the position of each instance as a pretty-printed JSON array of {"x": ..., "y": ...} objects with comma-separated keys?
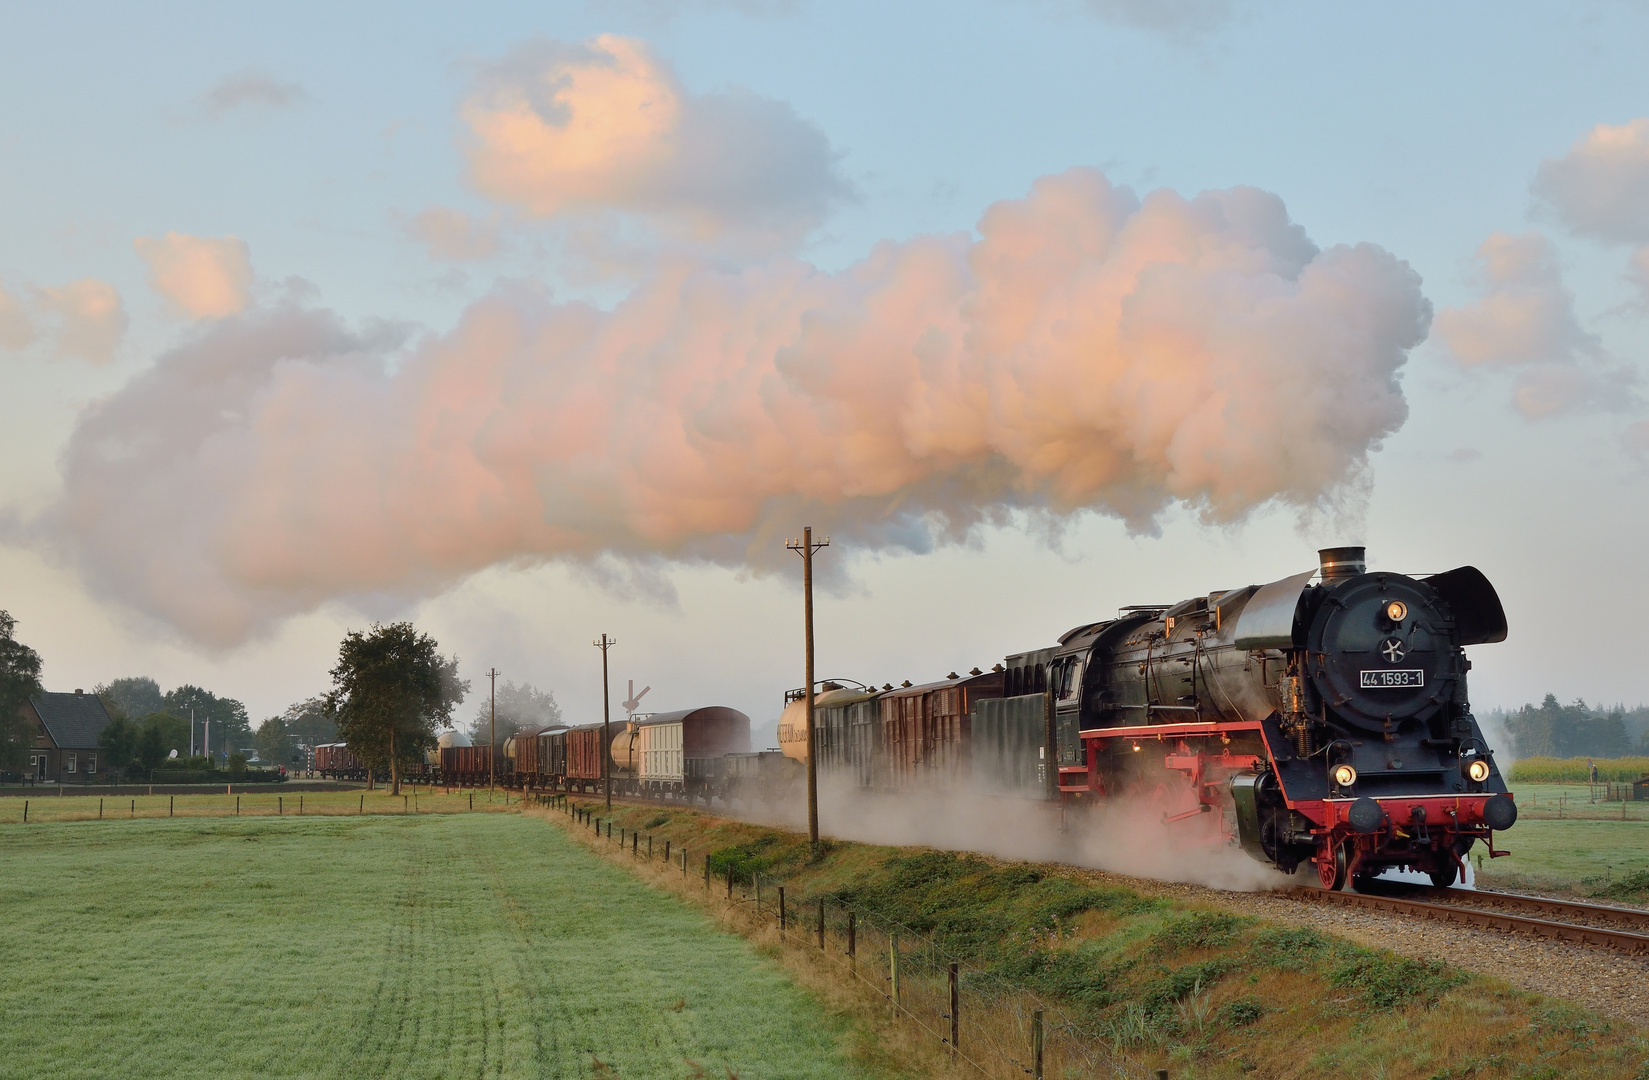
[{"x": 1338, "y": 563}]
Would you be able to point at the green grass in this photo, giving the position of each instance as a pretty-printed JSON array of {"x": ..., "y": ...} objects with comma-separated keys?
[
  {"x": 357, "y": 946},
  {"x": 1571, "y": 855}
]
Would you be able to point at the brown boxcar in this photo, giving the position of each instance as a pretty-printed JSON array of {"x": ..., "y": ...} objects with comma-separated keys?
[
  {"x": 585, "y": 749},
  {"x": 552, "y": 754},
  {"x": 335, "y": 761},
  {"x": 927, "y": 729},
  {"x": 528, "y": 745},
  {"x": 466, "y": 762}
]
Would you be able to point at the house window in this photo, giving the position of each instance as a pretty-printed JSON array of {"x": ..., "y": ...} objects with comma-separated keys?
[
  {"x": 91, "y": 763},
  {"x": 68, "y": 763}
]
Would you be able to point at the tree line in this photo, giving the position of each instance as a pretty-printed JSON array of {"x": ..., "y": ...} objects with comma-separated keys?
[{"x": 1552, "y": 729}]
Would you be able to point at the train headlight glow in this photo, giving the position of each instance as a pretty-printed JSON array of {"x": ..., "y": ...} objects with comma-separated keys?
[
  {"x": 1344, "y": 775},
  {"x": 1397, "y": 611},
  {"x": 1477, "y": 770}
]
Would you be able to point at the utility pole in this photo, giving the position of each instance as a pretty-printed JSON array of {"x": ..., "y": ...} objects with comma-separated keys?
[
  {"x": 492, "y": 753},
  {"x": 604, "y": 643},
  {"x": 806, "y": 547}
]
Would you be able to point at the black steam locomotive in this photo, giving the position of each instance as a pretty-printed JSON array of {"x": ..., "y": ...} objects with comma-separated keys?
[{"x": 1325, "y": 722}]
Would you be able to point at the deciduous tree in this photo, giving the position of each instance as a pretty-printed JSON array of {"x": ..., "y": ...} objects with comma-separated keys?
[
  {"x": 390, "y": 689},
  {"x": 19, "y": 680}
]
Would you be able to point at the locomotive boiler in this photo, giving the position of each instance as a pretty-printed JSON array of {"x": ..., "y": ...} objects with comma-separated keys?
[{"x": 1324, "y": 722}]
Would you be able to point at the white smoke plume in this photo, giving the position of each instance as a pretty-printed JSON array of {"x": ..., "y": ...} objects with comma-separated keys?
[
  {"x": 1125, "y": 837},
  {"x": 1089, "y": 351}
]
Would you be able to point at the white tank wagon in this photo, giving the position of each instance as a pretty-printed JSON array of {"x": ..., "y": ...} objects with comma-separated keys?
[{"x": 677, "y": 754}]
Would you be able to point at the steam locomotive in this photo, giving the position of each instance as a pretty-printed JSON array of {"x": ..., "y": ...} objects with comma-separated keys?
[{"x": 1322, "y": 722}]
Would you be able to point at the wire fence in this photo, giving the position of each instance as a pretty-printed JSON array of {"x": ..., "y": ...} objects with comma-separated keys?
[{"x": 989, "y": 1026}]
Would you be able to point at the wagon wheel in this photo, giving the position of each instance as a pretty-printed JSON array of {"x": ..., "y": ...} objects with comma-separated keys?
[
  {"x": 1445, "y": 873},
  {"x": 1331, "y": 866}
]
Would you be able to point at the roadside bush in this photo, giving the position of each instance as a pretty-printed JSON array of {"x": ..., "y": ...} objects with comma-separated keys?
[
  {"x": 1633, "y": 886},
  {"x": 1240, "y": 1012},
  {"x": 1388, "y": 981},
  {"x": 1198, "y": 930}
]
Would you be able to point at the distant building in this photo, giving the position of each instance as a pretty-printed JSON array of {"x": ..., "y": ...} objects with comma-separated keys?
[{"x": 64, "y": 745}]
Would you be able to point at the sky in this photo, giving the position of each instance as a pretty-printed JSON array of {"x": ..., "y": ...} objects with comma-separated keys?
[{"x": 530, "y": 323}]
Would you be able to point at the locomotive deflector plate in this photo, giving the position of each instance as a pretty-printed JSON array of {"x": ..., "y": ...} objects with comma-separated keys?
[{"x": 1267, "y": 620}]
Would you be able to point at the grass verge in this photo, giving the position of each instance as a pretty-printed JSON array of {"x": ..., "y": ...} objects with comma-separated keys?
[{"x": 1164, "y": 984}]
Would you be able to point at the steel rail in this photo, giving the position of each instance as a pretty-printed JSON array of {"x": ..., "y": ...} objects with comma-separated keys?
[
  {"x": 1547, "y": 905},
  {"x": 1618, "y": 940}
]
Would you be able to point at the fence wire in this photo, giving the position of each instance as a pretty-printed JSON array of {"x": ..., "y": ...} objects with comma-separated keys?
[{"x": 995, "y": 1028}]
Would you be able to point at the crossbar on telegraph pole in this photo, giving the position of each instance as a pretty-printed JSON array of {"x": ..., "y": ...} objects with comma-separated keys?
[
  {"x": 806, "y": 547},
  {"x": 604, "y": 643}
]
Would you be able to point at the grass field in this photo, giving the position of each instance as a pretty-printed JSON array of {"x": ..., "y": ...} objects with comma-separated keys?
[{"x": 484, "y": 945}]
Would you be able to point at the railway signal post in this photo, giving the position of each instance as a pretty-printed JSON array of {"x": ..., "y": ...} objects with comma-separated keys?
[
  {"x": 604, "y": 643},
  {"x": 806, "y": 547}
]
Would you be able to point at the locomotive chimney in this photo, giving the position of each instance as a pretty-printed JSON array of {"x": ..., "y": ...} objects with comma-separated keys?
[{"x": 1337, "y": 564}]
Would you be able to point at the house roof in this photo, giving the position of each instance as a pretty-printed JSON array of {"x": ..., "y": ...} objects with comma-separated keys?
[{"x": 74, "y": 721}]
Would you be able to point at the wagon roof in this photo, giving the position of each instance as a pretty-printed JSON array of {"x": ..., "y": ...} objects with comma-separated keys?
[
  {"x": 925, "y": 688},
  {"x": 703, "y": 712}
]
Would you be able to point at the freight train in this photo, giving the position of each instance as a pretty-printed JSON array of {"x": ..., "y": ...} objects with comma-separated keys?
[{"x": 1321, "y": 719}]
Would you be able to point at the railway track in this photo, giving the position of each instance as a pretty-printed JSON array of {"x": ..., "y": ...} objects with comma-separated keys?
[{"x": 1620, "y": 929}]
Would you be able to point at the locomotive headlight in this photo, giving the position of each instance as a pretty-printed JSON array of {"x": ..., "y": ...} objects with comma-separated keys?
[
  {"x": 1397, "y": 611},
  {"x": 1344, "y": 775},
  {"x": 1477, "y": 770}
]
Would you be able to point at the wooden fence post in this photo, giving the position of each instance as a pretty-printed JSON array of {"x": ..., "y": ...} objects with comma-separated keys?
[
  {"x": 684, "y": 864},
  {"x": 666, "y": 851},
  {"x": 171, "y": 806},
  {"x": 100, "y": 809},
  {"x": 1036, "y": 1044},
  {"x": 893, "y": 965},
  {"x": 237, "y": 806},
  {"x": 781, "y": 911},
  {"x": 280, "y": 806},
  {"x": 730, "y": 884},
  {"x": 707, "y": 873},
  {"x": 955, "y": 1012},
  {"x": 635, "y": 844},
  {"x": 649, "y": 847},
  {"x": 300, "y": 806},
  {"x": 853, "y": 941},
  {"x": 134, "y": 808},
  {"x": 821, "y": 924}
]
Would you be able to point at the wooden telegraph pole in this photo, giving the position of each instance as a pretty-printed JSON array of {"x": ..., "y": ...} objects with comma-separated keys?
[
  {"x": 604, "y": 643},
  {"x": 806, "y": 547},
  {"x": 492, "y": 753}
]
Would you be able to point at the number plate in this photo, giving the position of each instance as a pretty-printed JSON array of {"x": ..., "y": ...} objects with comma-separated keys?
[{"x": 1392, "y": 680}]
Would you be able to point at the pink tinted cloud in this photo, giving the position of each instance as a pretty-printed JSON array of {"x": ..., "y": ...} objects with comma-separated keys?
[
  {"x": 1600, "y": 188},
  {"x": 562, "y": 130},
  {"x": 86, "y": 318},
  {"x": 1090, "y": 351},
  {"x": 201, "y": 277}
]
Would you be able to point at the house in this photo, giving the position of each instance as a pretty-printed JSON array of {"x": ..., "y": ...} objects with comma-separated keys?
[{"x": 64, "y": 743}]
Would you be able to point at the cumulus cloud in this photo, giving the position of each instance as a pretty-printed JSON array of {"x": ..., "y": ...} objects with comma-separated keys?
[
  {"x": 1600, "y": 188},
  {"x": 87, "y": 318},
  {"x": 202, "y": 277},
  {"x": 453, "y": 235},
  {"x": 558, "y": 129},
  {"x": 1089, "y": 351},
  {"x": 1525, "y": 321},
  {"x": 253, "y": 87},
  {"x": 1636, "y": 438}
]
